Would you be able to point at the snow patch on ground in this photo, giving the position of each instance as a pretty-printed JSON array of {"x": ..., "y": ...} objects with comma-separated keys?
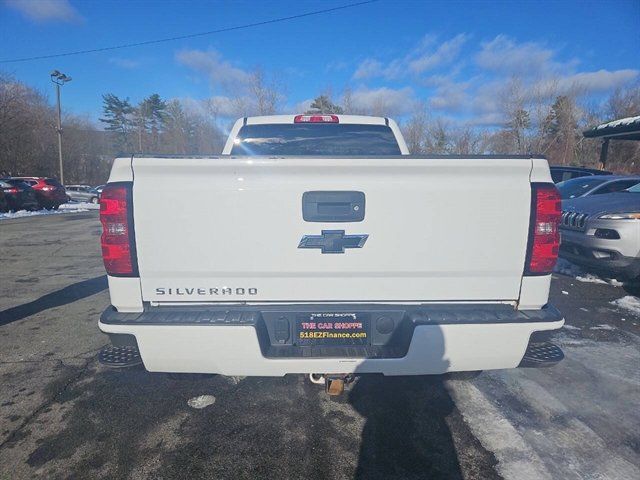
[
  {"x": 629, "y": 303},
  {"x": 602, "y": 327},
  {"x": 76, "y": 205},
  {"x": 235, "y": 380},
  {"x": 567, "y": 268},
  {"x": 564, "y": 267},
  {"x": 571, "y": 327},
  {"x": 64, "y": 209},
  {"x": 201, "y": 401}
]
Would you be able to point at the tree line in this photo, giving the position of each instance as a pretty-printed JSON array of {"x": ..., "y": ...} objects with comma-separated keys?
[
  {"x": 28, "y": 141},
  {"x": 544, "y": 122},
  {"x": 548, "y": 123},
  {"x": 158, "y": 126}
]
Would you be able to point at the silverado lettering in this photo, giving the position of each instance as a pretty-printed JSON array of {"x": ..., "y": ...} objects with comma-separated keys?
[{"x": 206, "y": 291}]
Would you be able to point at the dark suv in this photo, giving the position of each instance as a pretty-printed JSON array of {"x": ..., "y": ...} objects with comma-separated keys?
[
  {"x": 4, "y": 206},
  {"x": 19, "y": 195},
  {"x": 49, "y": 191}
]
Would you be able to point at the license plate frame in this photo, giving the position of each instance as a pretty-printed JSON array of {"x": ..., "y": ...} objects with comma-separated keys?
[{"x": 338, "y": 329}]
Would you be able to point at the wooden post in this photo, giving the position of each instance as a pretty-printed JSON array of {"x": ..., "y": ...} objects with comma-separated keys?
[{"x": 604, "y": 151}]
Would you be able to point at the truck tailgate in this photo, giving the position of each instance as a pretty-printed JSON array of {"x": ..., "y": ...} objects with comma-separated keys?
[{"x": 228, "y": 229}]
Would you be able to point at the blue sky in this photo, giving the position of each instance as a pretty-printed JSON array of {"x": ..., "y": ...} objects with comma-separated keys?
[{"x": 455, "y": 56}]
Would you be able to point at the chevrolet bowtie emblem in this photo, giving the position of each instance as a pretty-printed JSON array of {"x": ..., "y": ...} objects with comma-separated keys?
[{"x": 333, "y": 241}]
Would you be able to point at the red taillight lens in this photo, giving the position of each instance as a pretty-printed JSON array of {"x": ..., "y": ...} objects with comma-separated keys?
[
  {"x": 12, "y": 190},
  {"x": 118, "y": 242},
  {"x": 316, "y": 119},
  {"x": 544, "y": 236}
]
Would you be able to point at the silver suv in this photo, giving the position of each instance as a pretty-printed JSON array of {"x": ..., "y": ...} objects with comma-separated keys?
[
  {"x": 82, "y": 193},
  {"x": 602, "y": 232}
]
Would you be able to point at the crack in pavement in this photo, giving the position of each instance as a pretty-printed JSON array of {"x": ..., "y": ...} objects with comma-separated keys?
[
  {"x": 27, "y": 420},
  {"x": 54, "y": 359}
]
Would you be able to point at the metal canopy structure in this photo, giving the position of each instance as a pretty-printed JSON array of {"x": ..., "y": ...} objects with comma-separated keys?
[{"x": 622, "y": 129}]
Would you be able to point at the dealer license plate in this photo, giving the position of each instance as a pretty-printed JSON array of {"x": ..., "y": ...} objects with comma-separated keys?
[{"x": 326, "y": 328}]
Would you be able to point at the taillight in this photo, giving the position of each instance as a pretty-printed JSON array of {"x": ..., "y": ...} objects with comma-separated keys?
[
  {"x": 48, "y": 189},
  {"x": 544, "y": 236},
  {"x": 118, "y": 240},
  {"x": 316, "y": 119},
  {"x": 12, "y": 190}
]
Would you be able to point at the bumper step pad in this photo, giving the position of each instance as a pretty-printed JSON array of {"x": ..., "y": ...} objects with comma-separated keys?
[
  {"x": 544, "y": 354},
  {"x": 119, "y": 357}
]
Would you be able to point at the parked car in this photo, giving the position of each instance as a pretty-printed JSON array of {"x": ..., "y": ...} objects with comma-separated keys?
[
  {"x": 97, "y": 190},
  {"x": 602, "y": 232},
  {"x": 82, "y": 193},
  {"x": 19, "y": 195},
  {"x": 4, "y": 206},
  {"x": 595, "y": 185},
  {"x": 561, "y": 174},
  {"x": 49, "y": 191}
]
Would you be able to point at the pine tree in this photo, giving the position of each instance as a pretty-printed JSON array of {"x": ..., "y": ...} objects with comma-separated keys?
[
  {"x": 117, "y": 117},
  {"x": 141, "y": 115},
  {"x": 563, "y": 129},
  {"x": 157, "y": 115},
  {"x": 323, "y": 104}
]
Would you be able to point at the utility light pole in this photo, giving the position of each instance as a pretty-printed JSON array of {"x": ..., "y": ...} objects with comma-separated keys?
[{"x": 59, "y": 79}]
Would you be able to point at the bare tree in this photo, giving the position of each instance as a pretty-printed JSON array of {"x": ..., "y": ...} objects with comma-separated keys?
[
  {"x": 415, "y": 130},
  {"x": 514, "y": 109},
  {"x": 347, "y": 101},
  {"x": 439, "y": 137},
  {"x": 265, "y": 94},
  {"x": 467, "y": 141}
]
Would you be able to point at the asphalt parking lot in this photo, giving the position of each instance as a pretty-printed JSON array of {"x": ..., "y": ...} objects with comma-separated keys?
[{"x": 62, "y": 415}]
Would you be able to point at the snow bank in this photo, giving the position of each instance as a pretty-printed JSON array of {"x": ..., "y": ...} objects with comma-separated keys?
[
  {"x": 64, "y": 209},
  {"x": 564, "y": 267},
  {"x": 629, "y": 303}
]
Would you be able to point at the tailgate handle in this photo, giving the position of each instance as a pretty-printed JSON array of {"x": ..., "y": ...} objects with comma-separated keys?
[{"x": 329, "y": 206}]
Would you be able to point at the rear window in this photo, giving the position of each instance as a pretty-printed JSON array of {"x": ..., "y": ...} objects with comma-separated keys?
[
  {"x": 579, "y": 186},
  {"x": 315, "y": 139},
  {"x": 561, "y": 175},
  {"x": 17, "y": 183},
  {"x": 618, "y": 186},
  {"x": 52, "y": 181}
]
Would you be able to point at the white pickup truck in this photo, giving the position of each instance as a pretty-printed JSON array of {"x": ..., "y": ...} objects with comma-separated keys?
[{"x": 316, "y": 244}]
